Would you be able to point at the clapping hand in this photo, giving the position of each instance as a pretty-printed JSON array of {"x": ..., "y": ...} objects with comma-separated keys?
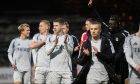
[
  {"x": 86, "y": 52},
  {"x": 95, "y": 49},
  {"x": 56, "y": 40},
  {"x": 65, "y": 39}
]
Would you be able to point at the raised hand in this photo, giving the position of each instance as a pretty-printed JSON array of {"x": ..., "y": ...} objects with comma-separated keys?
[
  {"x": 90, "y": 3},
  {"x": 65, "y": 39},
  {"x": 56, "y": 40}
]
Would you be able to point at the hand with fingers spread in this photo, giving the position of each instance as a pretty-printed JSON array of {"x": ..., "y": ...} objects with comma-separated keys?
[{"x": 86, "y": 52}]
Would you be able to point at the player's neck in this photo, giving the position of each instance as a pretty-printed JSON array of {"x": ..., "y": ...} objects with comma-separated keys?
[
  {"x": 60, "y": 34},
  {"x": 22, "y": 37},
  {"x": 95, "y": 38},
  {"x": 138, "y": 33},
  {"x": 45, "y": 33}
]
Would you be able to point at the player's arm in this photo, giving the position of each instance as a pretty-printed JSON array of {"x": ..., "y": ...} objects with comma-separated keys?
[
  {"x": 50, "y": 46},
  {"x": 128, "y": 52},
  {"x": 68, "y": 44},
  {"x": 36, "y": 44},
  {"x": 10, "y": 53}
]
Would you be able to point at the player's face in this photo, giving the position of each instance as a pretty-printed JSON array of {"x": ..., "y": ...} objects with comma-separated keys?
[
  {"x": 95, "y": 30},
  {"x": 43, "y": 27},
  {"x": 26, "y": 32},
  {"x": 87, "y": 25},
  {"x": 65, "y": 29},
  {"x": 57, "y": 28},
  {"x": 112, "y": 25}
]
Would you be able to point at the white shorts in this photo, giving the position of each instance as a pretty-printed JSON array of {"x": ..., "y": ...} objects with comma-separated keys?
[
  {"x": 41, "y": 75},
  {"x": 23, "y": 77},
  {"x": 134, "y": 79},
  {"x": 55, "y": 77},
  {"x": 96, "y": 77}
]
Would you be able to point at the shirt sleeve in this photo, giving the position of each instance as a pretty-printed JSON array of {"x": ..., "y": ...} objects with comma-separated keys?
[
  {"x": 35, "y": 37},
  {"x": 11, "y": 51},
  {"x": 34, "y": 55},
  {"x": 128, "y": 52},
  {"x": 50, "y": 45}
]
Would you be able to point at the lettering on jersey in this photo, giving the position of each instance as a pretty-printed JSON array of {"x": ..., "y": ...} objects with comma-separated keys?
[
  {"x": 23, "y": 49},
  {"x": 18, "y": 44},
  {"x": 137, "y": 49},
  {"x": 135, "y": 44}
]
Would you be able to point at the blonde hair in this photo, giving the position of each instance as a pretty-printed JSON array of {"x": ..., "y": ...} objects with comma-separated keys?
[
  {"x": 22, "y": 26},
  {"x": 46, "y": 22}
]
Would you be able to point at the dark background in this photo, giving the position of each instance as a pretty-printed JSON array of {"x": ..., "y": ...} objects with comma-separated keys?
[{"x": 14, "y": 12}]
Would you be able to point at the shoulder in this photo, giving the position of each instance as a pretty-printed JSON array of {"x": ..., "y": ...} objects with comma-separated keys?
[
  {"x": 106, "y": 40},
  {"x": 50, "y": 34},
  {"x": 84, "y": 34},
  {"x": 125, "y": 33},
  {"x": 15, "y": 39},
  {"x": 36, "y": 35},
  {"x": 74, "y": 37},
  {"x": 51, "y": 37},
  {"x": 122, "y": 35},
  {"x": 29, "y": 39},
  {"x": 130, "y": 36}
]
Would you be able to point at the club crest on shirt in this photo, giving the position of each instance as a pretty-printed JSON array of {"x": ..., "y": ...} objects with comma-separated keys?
[
  {"x": 18, "y": 44},
  {"x": 135, "y": 44},
  {"x": 117, "y": 39}
]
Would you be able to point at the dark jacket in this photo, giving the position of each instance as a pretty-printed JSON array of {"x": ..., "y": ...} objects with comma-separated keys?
[
  {"x": 105, "y": 56},
  {"x": 119, "y": 60},
  {"x": 74, "y": 56}
]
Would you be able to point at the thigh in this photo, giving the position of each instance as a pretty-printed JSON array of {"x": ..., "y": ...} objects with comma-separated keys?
[
  {"x": 39, "y": 76},
  {"x": 27, "y": 77},
  {"x": 17, "y": 76},
  {"x": 93, "y": 81},
  {"x": 134, "y": 80},
  {"x": 67, "y": 78},
  {"x": 53, "y": 78},
  {"x": 104, "y": 82}
]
